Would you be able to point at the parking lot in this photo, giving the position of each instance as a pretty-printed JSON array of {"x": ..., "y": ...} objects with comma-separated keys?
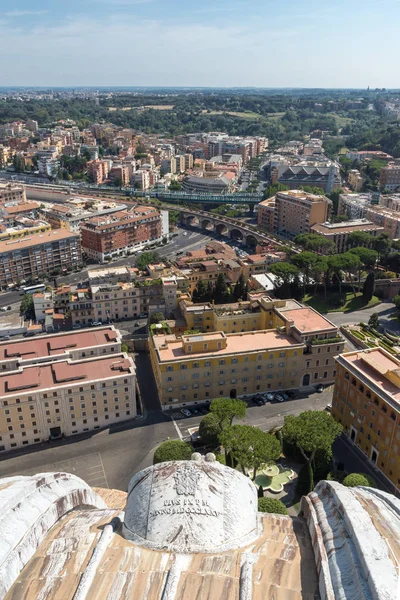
[{"x": 266, "y": 416}]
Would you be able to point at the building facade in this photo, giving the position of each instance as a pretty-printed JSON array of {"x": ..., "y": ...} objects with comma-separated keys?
[
  {"x": 120, "y": 233},
  {"x": 29, "y": 257},
  {"x": 63, "y": 384},
  {"x": 338, "y": 233},
  {"x": 366, "y": 400},
  {"x": 389, "y": 179},
  {"x": 297, "y": 211}
]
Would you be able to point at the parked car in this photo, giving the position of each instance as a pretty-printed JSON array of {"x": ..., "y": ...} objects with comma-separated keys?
[
  {"x": 5, "y": 337},
  {"x": 259, "y": 401},
  {"x": 291, "y": 393},
  {"x": 96, "y": 323},
  {"x": 320, "y": 388},
  {"x": 278, "y": 398},
  {"x": 284, "y": 396},
  {"x": 186, "y": 412},
  {"x": 136, "y": 324},
  {"x": 184, "y": 233},
  {"x": 268, "y": 397},
  {"x": 329, "y": 408}
]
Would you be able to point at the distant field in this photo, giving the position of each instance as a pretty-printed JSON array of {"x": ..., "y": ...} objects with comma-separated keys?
[
  {"x": 276, "y": 116},
  {"x": 161, "y": 106},
  {"x": 340, "y": 121},
  {"x": 242, "y": 115}
]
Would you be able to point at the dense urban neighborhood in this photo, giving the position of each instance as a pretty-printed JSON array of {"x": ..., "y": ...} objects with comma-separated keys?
[{"x": 200, "y": 315}]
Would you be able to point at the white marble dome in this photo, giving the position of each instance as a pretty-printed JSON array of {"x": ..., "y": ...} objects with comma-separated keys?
[{"x": 191, "y": 506}]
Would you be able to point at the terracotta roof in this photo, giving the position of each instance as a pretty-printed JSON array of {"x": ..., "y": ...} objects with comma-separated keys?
[
  {"x": 307, "y": 320},
  {"x": 57, "y": 344}
]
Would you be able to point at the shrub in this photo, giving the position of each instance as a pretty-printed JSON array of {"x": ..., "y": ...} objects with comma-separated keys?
[
  {"x": 356, "y": 479},
  {"x": 172, "y": 450},
  {"x": 322, "y": 464},
  {"x": 124, "y": 348},
  {"x": 305, "y": 480},
  {"x": 279, "y": 437},
  {"x": 260, "y": 491},
  {"x": 336, "y": 475},
  {"x": 272, "y": 505}
]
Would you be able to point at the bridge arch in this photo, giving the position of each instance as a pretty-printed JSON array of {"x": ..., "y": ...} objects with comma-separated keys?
[
  {"x": 207, "y": 224},
  {"x": 221, "y": 229},
  {"x": 237, "y": 235},
  {"x": 251, "y": 241},
  {"x": 192, "y": 220}
]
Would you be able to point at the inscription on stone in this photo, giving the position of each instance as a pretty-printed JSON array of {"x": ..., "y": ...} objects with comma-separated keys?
[{"x": 190, "y": 506}]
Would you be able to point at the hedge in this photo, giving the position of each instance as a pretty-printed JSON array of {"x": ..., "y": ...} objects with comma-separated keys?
[
  {"x": 272, "y": 505},
  {"x": 356, "y": 479}
]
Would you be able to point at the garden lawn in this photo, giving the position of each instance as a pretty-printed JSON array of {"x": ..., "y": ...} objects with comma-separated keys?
[{"x": 352, "y": 303}]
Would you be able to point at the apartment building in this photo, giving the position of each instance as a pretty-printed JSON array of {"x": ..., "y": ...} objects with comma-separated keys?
[
  {"x": 244, "y": 348},
  {"x": 390, "y": 201},
  {"x": 188, "y": 161},
  {"x": 354, "y": 205},
  {"x": 355, "y": 180},
  {"x": 338, "y": 233},
  {"x": 122, "y": 232},
  {"x": 63, "y": 384},
  {"x": 266, "y": 214},
  {"x": 297, "y": 211},
  {"x": 385, "y": 217},
  {"x": 42, "y": 303},
  {"x": 141, "y": 179},
  {"x": 29, "y": 257},
  {"x": 97, "y": 170},
  {"x": 389, "y": 179},
  {"x": 366, "y": 400},
  {"x": 11, "y": 192}
]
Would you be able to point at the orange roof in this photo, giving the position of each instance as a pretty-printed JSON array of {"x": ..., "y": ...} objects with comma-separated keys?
[
  {"x": 57, "y": 344},
  {"x": 36, "y": 239},
  {"x": 21, "y": 207},
  {"x": 307, "y": 320},
  {"x": 237, "y": 343},
  {"x": 34, "y": 377}
]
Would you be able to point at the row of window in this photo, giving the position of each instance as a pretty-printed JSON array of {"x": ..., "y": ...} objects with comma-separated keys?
[{"x": 207, "y": 363}]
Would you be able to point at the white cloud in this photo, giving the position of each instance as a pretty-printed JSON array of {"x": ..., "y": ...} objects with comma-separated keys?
[{"x": 24, "y": 13}]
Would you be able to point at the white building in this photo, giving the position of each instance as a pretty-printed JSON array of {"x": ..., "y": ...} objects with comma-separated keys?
[{"x": 42, "y": 301}]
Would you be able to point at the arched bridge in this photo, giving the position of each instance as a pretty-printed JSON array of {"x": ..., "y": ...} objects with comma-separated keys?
[{"x": 232, "y": 229}]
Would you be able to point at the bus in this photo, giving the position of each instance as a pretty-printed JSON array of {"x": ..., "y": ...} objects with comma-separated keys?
[{"x": 31, "y": 289}]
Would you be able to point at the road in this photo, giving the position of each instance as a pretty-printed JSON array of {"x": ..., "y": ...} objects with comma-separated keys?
[
  {"x": 386, "y": 310},
  {"x": 111, "y": 457}
]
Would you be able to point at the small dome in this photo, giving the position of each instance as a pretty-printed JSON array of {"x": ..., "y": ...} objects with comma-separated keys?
[{"x": 191, "y": 506}]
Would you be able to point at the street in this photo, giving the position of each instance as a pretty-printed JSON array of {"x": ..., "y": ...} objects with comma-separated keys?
[{"x": 111, "y": 457}]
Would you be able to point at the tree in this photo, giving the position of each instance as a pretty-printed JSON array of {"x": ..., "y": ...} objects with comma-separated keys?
[
  {"x": 239, "y": 290},
  {"x": 305, "y": 480},
  {"x": 27, "y": 307},
  {"x": 368, "y": 287},
  {"x": 156, "y": 318},
  {"x": 221, "y": 293},
  {"x": 337, "y": 263},
  {"x": 145, "y": 259},
  {"x": 396, "y": 301},
  {"x": 311, "y": 431},
  {"x": 320, "y": 270},
  {"x": 272, "y": 505},
  {"x": 315, "y": 243},
  {"x": 274, "y": 189},
  {"x": 175, "y": 186},
  {"x": 359, "y": 238},
  {"x": 172, "y": 450},
  {"x": 382, "y": 243},
  {"x": 367, "y": 257},
  {"x": 250, "y": 446},
  {"x": 374, "y": 321},
  {"x": 284, "y": 271},
  {"x": 356, "y": 479},
  {"x": 226, "y": 409},
  {"x": 210, "y": 429},
  {"x": 305, "y": 262}
]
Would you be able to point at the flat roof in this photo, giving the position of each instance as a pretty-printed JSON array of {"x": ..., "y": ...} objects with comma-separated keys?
[
  {"x": 36, "y": 239},
  {"x": 337, "y": 228},
  {"x": 236, "y": 343},
  {"x": 33, "y": 378},
  {"x": 307, "y": 320},
  {"x": 374, "y": 364},
  {"x": 56, "y": 344}
]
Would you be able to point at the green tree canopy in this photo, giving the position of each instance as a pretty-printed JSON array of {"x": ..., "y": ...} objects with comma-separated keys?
[
  {"x": 315, "y": 243},
  {"x": 221, "y": 292},
  {"x": 250, "y": 446},
  {"x": 210, "y": 429},
  {"x": 356, "y": 479},
  {"x": 240, "y": 289},
  {"x": 156, "y": 317},
  {"x": 305, "y": 261},
  {"x": 272, "y": 505},
  {"x": 374, "y": 321},
  {"x": 359, "y": 238},
  {"x": 27, "y": 307},
  {"x": 382, "y": 243},
  {"x": 284, "y": 271},
  {"x": 312, "y": 430},
  {"x": 172, "y": 450},
  {"x": 226, "y": 409},
  {"x": 147, "y": 258},
  {"x": 396, "y": 301},
  {"x": 368, "y": 287}
]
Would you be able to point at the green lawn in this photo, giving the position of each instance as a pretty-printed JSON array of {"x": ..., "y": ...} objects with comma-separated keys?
[{"x": 352, "y": 303}]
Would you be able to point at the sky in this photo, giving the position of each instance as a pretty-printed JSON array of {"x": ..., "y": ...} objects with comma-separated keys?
[{"x": 222, "y": 43}]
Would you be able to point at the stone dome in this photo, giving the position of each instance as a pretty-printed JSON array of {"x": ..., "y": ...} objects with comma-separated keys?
[{"x": 191, "y": 506}]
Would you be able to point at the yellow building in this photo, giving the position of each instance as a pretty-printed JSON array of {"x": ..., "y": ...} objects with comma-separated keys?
[
  {"x": 198, "y": 367},
  {"x": 242, "y": 330},
  {"x": 63, "y": 384},
  {"x": 366, "y": 400}
]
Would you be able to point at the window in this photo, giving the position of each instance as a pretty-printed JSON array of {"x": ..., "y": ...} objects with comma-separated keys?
[
  {"x": 325, "y": 374},
  {"x": 282, "y": 355},
  {"x": 222, "y": 362},
  {"x": 183, "y": 367},
  {"x": 259, "y": 357},
  {"x": 207, "y": 363}
]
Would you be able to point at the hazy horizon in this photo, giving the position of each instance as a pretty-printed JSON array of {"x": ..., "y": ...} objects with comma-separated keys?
[{"x": 184, "y": 44}]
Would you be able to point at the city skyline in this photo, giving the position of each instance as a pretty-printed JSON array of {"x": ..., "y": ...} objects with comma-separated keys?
[{"x": 150, "y": 43}]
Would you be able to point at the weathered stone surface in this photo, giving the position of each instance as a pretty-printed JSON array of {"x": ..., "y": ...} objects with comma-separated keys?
[{"x": 191, "y": 506}]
